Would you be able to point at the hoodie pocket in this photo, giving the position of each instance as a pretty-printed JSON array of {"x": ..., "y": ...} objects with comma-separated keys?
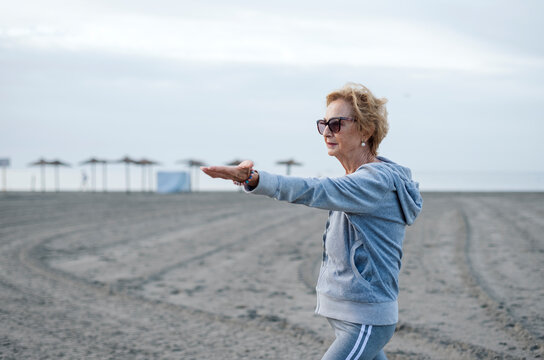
[{"x": 360, "y": 262}]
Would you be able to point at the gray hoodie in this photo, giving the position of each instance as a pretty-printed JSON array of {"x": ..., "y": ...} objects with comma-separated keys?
[{"x": 368, "y": 213}]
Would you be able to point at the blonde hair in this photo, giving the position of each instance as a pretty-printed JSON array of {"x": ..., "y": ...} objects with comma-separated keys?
[{"x": 369, "y": 112}]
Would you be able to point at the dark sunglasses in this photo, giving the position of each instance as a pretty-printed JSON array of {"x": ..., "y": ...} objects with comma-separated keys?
[{"x": 334, "y": 124}]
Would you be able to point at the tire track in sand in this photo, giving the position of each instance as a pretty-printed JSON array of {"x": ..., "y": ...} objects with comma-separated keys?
[
  {"x": 32, "y": 258},
  {"x": 494, "y": 306},
  {"x": 30, "y": 277}
]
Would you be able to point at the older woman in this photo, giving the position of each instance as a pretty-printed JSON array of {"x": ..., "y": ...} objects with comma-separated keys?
[{"x": 369, "y": 208}]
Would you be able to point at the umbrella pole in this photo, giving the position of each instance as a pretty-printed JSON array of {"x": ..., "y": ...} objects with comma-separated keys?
[
  {"x": 150, "y": 174},
  {"x": 196, "y": 179},
  {"x": 127, "y": 176},
  {"x": 194, "y": 185},
  {"x": 93, "y": 170},
  {"x": 191, "y": 179},
  {"x": 43, "y": 178},
  {"x": 104, "y": 177},
  {"x": 4, "y": 178},
  {"x": 143, "y": 178},
  {"x": 57, "y": 178}
]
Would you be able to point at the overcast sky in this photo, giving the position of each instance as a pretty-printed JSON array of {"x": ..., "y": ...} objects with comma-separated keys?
[{"x": 215, "y": 80}]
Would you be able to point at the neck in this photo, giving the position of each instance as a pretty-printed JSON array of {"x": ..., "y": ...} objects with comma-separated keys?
[{"x": 353, "y": 162}]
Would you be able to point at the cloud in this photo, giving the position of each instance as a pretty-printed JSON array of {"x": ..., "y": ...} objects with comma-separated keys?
[
  {"x": 255, "y": 37},
  {"x": 76, "y": 76}
]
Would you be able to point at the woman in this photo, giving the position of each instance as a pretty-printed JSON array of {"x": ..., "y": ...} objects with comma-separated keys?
[{"x": 369, "y": 208}]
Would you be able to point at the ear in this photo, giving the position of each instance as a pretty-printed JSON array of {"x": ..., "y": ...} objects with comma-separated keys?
[{"x": 367, "y": 133}]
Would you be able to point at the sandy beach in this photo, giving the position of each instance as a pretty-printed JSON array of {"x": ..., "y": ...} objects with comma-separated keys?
[{"x": 232, "y": 276}]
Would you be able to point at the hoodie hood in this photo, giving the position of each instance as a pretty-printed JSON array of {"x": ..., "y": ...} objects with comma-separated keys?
[{"x": 407, "y": 189}]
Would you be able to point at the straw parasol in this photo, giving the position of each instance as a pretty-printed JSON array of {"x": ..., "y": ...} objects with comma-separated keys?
[
  {"x": 56, "y": 164},
  {"x": 194, "y": 164},
  {"x": 289, "y": 163},
  {"x": 93, "y": 161},
  {"x": 127, "y": 160},
  {"x": 149, "y": 163},
  {"x": 234, "y": 162},
  {"x": 41, "y": 163}
]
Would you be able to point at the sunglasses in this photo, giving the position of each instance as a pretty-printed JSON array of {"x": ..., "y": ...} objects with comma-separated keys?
[{"x": 334, "y": 124}]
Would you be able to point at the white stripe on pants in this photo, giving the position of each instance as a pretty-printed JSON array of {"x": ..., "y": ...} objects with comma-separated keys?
[{"x": 357, "y": 341}]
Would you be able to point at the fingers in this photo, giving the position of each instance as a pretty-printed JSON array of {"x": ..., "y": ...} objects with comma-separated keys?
[
  {"x": 236, "y": 173},
  {"x": 208, "y": 171},
  {"x": 224, "y": 172},
  {"x": 214, "y": 172},
  {"x": 216, "y": 175}
]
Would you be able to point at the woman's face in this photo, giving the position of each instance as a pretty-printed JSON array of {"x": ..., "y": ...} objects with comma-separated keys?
[{"x": 348, "y": 139}]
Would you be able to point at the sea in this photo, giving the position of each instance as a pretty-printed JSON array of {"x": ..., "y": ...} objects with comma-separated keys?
[{"x": 446, "y": 181}]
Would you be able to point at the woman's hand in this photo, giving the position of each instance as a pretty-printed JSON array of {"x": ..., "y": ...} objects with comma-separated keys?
[{"x": 238, "y": 173}]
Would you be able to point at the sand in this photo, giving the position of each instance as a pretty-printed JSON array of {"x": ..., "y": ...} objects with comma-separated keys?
[{"x": 232, "y": 276}]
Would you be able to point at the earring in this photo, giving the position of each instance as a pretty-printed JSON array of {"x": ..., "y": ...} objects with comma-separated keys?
[{"x": 363, "y": 143}]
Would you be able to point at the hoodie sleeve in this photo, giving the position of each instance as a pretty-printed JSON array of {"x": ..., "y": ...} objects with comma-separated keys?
[{"x": 359, "y": 192}]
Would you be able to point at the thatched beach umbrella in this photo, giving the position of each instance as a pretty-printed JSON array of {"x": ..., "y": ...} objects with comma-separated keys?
[
  {"x": 93, "y": 161},
  {"x": 147, "y": 163},
  {"x": 234, "y": 162},
  {"x": 289, "y": 163},
  {"x": 193, "y": 164},
  {"x": 56, "y": 164},
  {"x": 41, "y": 163},
  {"x": 127, "y": 160}
]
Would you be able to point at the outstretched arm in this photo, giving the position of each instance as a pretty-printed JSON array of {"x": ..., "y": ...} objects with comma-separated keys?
[
  {"x": 359, "y": 192},
  {"x": 238, "y": 173}
]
